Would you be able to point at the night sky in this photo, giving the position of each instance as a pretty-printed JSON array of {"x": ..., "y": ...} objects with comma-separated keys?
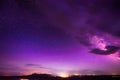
[{"x": 57, "y": 37}]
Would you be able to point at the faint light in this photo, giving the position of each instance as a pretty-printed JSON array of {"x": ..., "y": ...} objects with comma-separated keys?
[
  {"x": 114, "y": 74},
  {"x": 99, "y": 42},
  {"x": 118, "y": 58},
  {"x": 115, "y": 56},
  {"x": 76, "y": 74},
  {"x": 91, "y": 74},
  {"x": 63, "y": 75},
  {"x": 24, "y": 79}
]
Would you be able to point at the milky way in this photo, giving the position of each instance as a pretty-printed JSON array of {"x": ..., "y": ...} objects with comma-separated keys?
[{"x": 59, "y": 36}]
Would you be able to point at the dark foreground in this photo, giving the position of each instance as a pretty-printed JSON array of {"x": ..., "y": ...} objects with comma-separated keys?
[{"x": 49, "y": 77}]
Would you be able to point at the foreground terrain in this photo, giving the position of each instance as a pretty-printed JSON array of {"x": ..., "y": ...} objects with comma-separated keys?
[{"x": 49, "y": 77}]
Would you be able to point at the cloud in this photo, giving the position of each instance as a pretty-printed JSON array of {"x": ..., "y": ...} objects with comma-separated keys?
[
  {"x": 40, "y": 67},
  {"x": 11, "y": 69},
  {"x": 110, "y": 50},
  {"x": 96, "y": 72},
  {"x": 82, "y": 40},
  {"x": 37, "y": 66},
  {"x": 32, "y": 65}
]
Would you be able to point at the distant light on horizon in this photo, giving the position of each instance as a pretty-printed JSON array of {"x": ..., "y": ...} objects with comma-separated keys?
[
  {"x": 63, "y": 75},
  {"x": 77, "y": 74},
  {"x": 24, "y": 79}
]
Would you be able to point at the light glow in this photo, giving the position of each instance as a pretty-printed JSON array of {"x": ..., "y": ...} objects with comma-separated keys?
[
  {"x": 24, "y": 79},
  {"x": 99, "y": 42},
  {"x": 63, "y": 75}
]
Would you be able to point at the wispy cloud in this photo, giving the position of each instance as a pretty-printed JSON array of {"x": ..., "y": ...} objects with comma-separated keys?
[
  {"x": 38, "y": 66},
  {"x": 34, "y": 65}
]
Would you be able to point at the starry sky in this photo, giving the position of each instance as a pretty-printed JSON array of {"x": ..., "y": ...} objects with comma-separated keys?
[{"x": 56, "y": 36}]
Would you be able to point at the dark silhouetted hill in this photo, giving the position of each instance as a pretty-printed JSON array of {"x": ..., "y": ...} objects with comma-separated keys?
[{"x": 50, "y": 77}]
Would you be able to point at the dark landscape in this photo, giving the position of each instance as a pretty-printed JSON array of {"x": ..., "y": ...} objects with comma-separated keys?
[{"x": 50, "y": 77}]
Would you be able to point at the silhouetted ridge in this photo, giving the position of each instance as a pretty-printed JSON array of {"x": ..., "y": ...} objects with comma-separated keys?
[{"x": 50, "y": 77}]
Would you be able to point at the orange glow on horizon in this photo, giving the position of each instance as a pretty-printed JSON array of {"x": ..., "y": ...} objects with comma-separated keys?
[
  {"x": 36, "y": 71},
  {"x": 63, "y": 75},
  {"x": 24, "y": 79}
]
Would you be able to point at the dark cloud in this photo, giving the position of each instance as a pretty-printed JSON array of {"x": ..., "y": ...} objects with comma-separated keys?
[
  {"x": 11, "y": 69},
  {"x": 109, "y": 20},
  {"x": 110, "y": 50},
  {"x": 83, "y": 40},
  {"x": 99, "y": 72},
  {"x": 36, "y": 66},
  {"x": 29, "y": 6},
  {"x": 115, "y": 6},
  {"x": 33, "y": 65},
  {"x": 96, "y": 72}
]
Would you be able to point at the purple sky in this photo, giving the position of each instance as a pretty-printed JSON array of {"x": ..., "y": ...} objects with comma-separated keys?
[{"x": 56, "y": 36}]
